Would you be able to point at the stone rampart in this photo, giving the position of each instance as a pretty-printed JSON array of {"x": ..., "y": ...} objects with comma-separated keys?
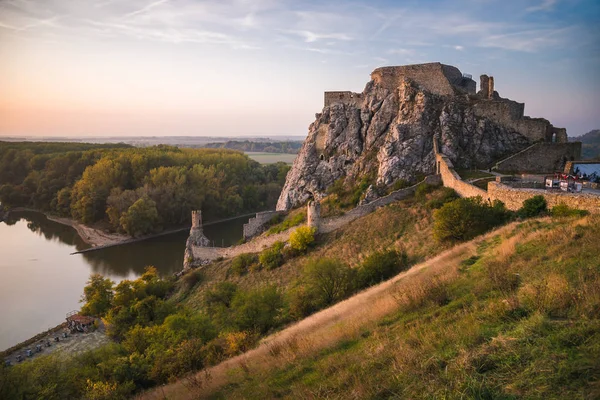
[
  {"x": 435, "y": 77},
  {"x": 256, "y": 225},
  {"x": 541, "y": 158},
  {"x": 345, "y": 97},
  {"x": 451, "y": 179},
  {"x": 513, "y": 198}
]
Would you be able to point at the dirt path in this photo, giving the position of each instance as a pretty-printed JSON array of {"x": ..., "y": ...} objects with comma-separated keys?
[{"x": 319, "y": 330}]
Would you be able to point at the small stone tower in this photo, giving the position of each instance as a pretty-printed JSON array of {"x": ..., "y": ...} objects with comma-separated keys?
[
  {"x": 313, "y": 214},
  {"x": 197, "y": 237},
  {"x": 486, "y": 87}
]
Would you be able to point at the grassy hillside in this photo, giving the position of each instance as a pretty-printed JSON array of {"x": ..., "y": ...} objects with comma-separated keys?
[
  {"x": 512, "y": 314},
  {"x": 406, "y": 225}
]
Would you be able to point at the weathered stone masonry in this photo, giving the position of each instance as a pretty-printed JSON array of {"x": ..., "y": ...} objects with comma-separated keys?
[
  {"x": 256, "y": 225},
  {"x": 541, "y": 158}
]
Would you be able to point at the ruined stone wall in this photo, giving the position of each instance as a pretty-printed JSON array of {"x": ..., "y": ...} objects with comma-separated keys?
[
  {"x": 434, "y": 77},
  {"x": 541, "y": 158},
  {"x": 256, "y": 225},
  {"x": 452, "y": 180},
  {"x": 513, "y": 198},
  {"x": 502, "y": 111},
  {"x": 346, "y": 97}
]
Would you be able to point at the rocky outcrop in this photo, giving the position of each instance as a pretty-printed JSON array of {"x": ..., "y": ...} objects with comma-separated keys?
[{"x": 387, "y": 132}]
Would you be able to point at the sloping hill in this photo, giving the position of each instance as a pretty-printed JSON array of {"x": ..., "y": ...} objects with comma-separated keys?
[
  {"x": 512, "y": 314},
  {"x": 590, "y": 149}
]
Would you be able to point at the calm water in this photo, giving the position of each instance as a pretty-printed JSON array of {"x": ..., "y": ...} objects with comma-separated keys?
[{"x": 40, "y": 281}]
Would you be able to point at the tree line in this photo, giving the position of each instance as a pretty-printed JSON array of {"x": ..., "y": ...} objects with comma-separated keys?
[{"x": 135, "y": 190}]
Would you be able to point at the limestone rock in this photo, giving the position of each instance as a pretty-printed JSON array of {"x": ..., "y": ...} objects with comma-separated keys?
[{"x": 387, "y": 131}]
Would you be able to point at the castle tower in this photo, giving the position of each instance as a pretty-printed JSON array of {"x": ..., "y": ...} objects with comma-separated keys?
[
  {"x": 197, "y": 219},
  {"x": 491, "y": 88},
  {"x": 197, "y": 237},
  {"x": 313, "y": 214}
]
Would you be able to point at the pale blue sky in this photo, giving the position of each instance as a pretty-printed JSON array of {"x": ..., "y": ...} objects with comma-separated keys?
[{"x": 241, "y": 67}]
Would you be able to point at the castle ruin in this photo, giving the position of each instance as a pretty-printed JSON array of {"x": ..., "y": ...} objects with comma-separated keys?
[{"x": 446, "y": 80}]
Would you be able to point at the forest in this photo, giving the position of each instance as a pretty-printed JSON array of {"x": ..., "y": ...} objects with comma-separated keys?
[{"x": 136, "y": 191}]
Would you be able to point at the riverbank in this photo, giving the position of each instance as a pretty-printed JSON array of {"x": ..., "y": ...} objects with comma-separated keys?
[{"x": 92, "y": 236}]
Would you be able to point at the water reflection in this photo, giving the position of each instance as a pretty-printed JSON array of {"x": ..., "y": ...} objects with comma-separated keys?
[
  {"x": 40, "y": 281},
  {"x": 50, "y": 230}
]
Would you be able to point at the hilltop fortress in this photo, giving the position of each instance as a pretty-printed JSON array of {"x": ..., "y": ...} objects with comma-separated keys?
[{"x": 387, "y": 131}]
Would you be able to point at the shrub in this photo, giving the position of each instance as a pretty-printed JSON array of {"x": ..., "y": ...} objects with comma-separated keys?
[
  {"x": 329, "y": 279},
  {"x": 257, "y": 310},
  {"x": 533, "y": 207},
  {"x": 288, "y": 222},
  {"x": 302, "y": 302},
  {"x": 191, "y": 279},
  {"x": 302, "y": 238},
  {"x": 465, "y": 218},
  {"x": 442, "y": 196},
  {"x": 242, "y": 263},
  {"x": 422, "y": 190},
  {"x": 563, "y": 210},
  {"x": 380, "y": 266},
  {"x": 272, "y": 258}
]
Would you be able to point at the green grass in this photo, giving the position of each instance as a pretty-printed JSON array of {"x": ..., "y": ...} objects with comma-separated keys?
[
  {"x": 518, "y": 320},
  {"x": 271, "y": 158},
  {"x": 472, "y": 174}
]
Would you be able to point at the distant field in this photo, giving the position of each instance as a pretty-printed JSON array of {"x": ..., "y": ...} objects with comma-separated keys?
[{"x": 270, "y": 158}]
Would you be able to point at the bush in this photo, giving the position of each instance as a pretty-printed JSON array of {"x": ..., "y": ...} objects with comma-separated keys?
[
  {"x": 302, "y": 238},
  {"x": 442, "y": 196},
  {"x": 329, "y": 279},
  {"x": 533, "y": 207},
  {"x": 288, "y": 222},
  {"x": 380, "y": 266},
  {"x": 191, "y": 279},
  {"x": 272, "y": 258},
  {"x": 563, "y": 210},
  {"x": 242, "y": 263},
  {"x": 422, "y": 190},
  {"x": 465, "y": 218}
]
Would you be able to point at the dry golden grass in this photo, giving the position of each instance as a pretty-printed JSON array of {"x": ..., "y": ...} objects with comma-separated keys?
[{"x": 343, "y": 321}]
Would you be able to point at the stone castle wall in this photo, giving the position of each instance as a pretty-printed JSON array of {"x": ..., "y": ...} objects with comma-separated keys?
[
  {"x": 541, "y": 158},
  {"x": 452, "y": 180},
  {"x": 513, "y": 198},
  {"x": 256, "y": 225},
  {"x": 345, "y": 97},
  {"x": 435, "y": 77}
]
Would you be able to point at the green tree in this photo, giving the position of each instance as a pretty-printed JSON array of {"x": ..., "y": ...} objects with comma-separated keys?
[
  {"x": 97, "y": 296},
  {"x": 465, "y": 218},
  {"x": 380, "y": 266},
  {"x": 330, "y": 279},
  {"x": 140, "y": 218}
]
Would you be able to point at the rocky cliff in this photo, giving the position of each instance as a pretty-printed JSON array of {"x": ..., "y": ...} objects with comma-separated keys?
[{"x": 386, "y": 132}]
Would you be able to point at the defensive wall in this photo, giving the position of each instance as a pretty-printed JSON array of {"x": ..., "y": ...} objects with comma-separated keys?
[
  {"x": 451, "y": 179},
  {"x": 256, "y": 225},
  {"x": 435, "y": 77},
  {"x": 541, "y": 158},
  {"x": 513, "y": 198}
]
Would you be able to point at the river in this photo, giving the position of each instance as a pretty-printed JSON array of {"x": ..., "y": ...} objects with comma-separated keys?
[{"x": 40, "y": 281}]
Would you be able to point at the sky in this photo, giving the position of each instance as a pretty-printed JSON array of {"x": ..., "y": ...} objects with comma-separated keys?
[{"x": 260, "y": 67}]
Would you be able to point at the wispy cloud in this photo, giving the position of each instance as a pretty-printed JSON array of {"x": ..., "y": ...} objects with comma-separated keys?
[
  {"x": 146, "y": 8},
  {"x": 545, "y": 5},
  {"x": 310, "y": 37}
]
